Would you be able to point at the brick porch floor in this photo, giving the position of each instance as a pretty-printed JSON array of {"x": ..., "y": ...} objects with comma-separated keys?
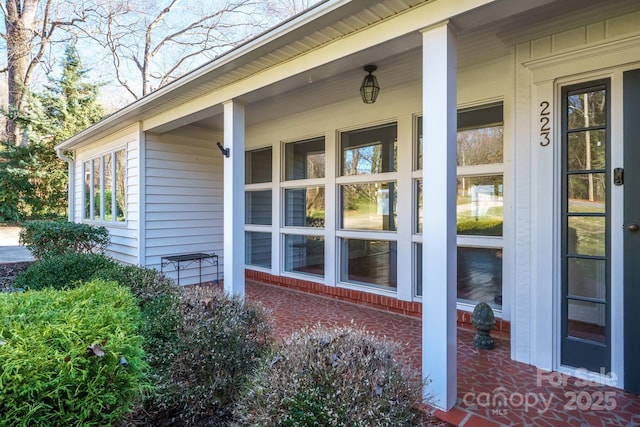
[{"x": 493, "y": 390}]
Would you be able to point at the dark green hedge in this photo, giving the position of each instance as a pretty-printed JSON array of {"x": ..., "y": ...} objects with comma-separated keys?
[
  {"x": 63, "y": 271},
  {"x": 51, "y": 238}
]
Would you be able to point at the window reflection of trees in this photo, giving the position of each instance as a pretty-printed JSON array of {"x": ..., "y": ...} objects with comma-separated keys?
[
  {"x": 370, "y": 151},
  {"x": 480, "y": 146},
  {"x": 586, "y": 152}
]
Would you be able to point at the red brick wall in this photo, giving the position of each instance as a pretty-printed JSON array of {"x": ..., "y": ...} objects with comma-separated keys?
[{"x": 380, "y": 302}]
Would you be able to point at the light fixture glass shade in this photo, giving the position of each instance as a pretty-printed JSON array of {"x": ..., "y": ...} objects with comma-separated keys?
[{"x": 369, "y": 88}]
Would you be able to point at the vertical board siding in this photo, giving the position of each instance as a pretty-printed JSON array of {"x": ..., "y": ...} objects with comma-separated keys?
[
  {"x": 124, "y": 244},
  {"x": 184, "y": 202}
]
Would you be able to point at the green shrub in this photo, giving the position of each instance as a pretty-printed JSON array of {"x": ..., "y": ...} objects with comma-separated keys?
[
  {"x": 69, "y": 358},
  {"x": 200, "y": 344},
  {"x": 331, "y": 377},
  {"x": 159, "y": 302},
  {"x": 158, "y": 297},
  {"x": 50, "y": 238},
  {"x": 62, "y": 271},
  {"x": 221, "y": 341},
  {"x": 484, "y": 226}
]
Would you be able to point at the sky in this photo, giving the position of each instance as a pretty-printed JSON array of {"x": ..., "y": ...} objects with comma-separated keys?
[{"x": 97, "y": 61}]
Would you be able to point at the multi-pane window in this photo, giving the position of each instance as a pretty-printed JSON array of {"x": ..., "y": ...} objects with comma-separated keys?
[
  {"x": 585, "y": 221},
  {"x": 104, "y": 187},
  {"x": 258, "y": 207},
  {"x": 479, "y": 220},
  {"x": 367, "y": 190},
  {"x": 303, "y": 195},
  {"x": 480, "y": 216},
  {"x": 416, "y": 182}
]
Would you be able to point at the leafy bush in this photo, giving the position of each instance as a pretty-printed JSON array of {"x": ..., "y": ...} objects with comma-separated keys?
[
  {"x": 63, "y": 271},
  {"x": 220, "y": 342},
  {"x": 331, "y": 377},
  {"x": 157, "y": 297},
  {"x": 199, "y": 343},
  {"x": 159, "y": 302},
  {"x": 69, "y": 357},
  {"x": 477, "y": 227},
  {"x": 50, "y": 238}
]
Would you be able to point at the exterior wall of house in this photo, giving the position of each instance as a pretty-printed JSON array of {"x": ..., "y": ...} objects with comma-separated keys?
[
  {"x": 124, "y": 235},
  {"x": 184, "y": 200},
  {"x": 600, "y": 49}
]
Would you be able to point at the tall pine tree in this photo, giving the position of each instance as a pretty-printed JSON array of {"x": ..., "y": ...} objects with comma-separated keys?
[{"x": 33, "y": 180}]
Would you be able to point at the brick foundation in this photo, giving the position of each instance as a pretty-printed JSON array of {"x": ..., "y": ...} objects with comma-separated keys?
[{"x": 379, "y": 302}]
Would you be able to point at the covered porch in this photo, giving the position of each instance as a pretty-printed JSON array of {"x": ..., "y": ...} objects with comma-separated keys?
[
  {"x": 432, "y": 63},
  {"x": 492, "y": 389}
]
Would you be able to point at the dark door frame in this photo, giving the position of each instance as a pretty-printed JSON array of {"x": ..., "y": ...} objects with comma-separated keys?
[
  {"x": 631, "y": 116},
  {"x": 576, "y": 350}
]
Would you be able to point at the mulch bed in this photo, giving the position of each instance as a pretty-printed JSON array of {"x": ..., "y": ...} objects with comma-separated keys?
[{"x": 9, "y": 271}]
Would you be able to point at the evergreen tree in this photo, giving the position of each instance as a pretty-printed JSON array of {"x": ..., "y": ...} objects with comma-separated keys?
[{"x": 33, "y": 180}]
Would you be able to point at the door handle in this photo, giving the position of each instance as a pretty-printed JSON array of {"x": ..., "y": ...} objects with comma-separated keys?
[{"x": 633, "y": 227}]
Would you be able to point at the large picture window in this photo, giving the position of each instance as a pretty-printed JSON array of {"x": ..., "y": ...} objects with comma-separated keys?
[
  {"x": 258, "y": 199},
  {"x": 480, "y": 153},
  {"x": 303, "y": 192},
  {"x": 480, "y": 189},
  {"x": 367, "y": 191},
  {"x": 104, "y": 187}
]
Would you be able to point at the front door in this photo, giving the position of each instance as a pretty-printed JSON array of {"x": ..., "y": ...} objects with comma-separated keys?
[
  {"x": 587, "y": 179},
  {"x": 585, "y": 246},
  {"x": 631, "y": 184}
]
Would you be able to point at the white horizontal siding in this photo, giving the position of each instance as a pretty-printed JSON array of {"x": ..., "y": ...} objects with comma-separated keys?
[
  {"x": 124, "y": 241},
  {"x": 184, "y": 202}
]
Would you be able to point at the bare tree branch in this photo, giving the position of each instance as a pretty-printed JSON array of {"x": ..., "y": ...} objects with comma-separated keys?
[{"x": 175, "y": 36}]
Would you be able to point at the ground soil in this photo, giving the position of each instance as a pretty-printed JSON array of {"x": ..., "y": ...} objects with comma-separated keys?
[{"x": 9, "y": 271}]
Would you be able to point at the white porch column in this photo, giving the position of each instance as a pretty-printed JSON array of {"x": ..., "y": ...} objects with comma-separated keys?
[
  {"x": 234, "y": 198},
  {"x": 439, "y": 213}
]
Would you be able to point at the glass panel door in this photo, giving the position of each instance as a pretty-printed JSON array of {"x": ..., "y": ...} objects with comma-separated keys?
[{"x": 586, "y": 316}]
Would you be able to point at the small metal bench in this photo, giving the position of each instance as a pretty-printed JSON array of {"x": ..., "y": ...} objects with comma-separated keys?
[{"x": 183, "y": 261}]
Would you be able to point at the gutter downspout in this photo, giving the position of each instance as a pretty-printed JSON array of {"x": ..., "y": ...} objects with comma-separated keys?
[{"x": 72, "y": 178}]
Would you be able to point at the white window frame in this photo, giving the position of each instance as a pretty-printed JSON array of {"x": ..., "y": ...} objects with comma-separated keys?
[
  {"x": 341, "y": 233},
  {"x": 259, "y": 228},
  {"x": 285, "y": 230},
  {"x": 489, "y": 169},
  {"x": 114, "y": 177}
]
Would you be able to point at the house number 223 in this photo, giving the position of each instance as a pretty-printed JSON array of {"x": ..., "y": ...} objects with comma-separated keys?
[{"x": 545, "y": 128}]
